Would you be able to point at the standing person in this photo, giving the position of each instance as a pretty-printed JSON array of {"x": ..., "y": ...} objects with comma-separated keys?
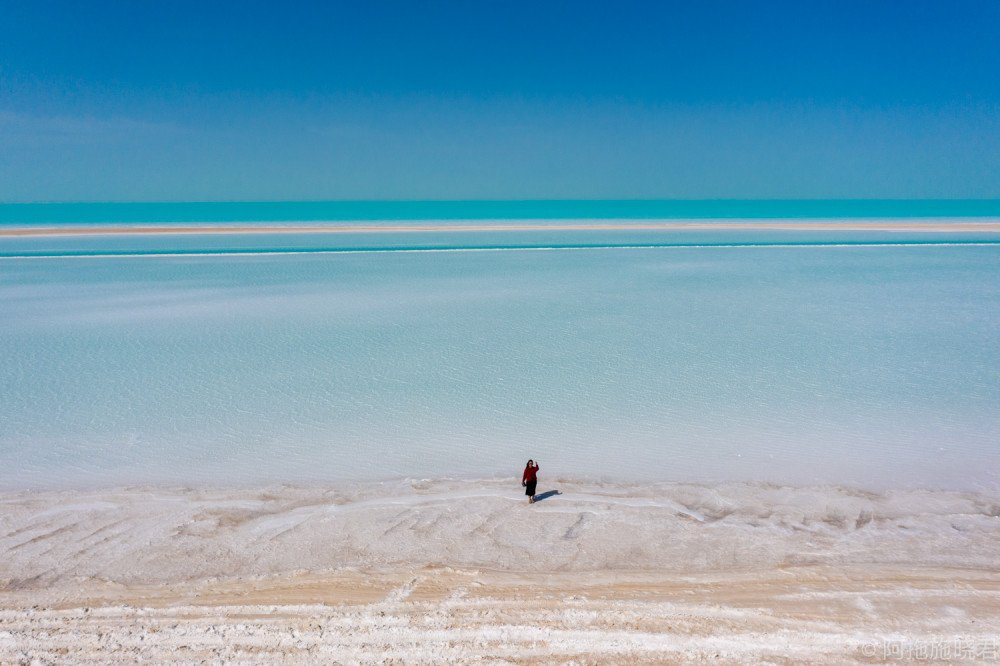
[{"x": 529, "y": 480}]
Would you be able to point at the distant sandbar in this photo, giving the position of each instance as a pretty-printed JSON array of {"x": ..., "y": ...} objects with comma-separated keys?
[{"x": 859, "y": 225}]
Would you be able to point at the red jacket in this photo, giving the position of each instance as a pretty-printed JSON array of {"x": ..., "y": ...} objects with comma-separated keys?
[{"x": 529, "y": 473}]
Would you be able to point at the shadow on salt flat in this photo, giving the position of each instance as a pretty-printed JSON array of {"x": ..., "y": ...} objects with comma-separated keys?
[{"x": 547, "y": 494}]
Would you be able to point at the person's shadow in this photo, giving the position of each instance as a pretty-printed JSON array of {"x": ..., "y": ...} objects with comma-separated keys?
[{"x": 547, "y": 494}]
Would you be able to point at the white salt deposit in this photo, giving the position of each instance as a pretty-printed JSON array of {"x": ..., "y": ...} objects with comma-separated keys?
[
  {"x": 148, "y": 535},
  {"x": 456, "y": 571}
]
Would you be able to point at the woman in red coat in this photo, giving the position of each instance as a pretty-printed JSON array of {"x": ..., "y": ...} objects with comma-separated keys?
[{"x": 529, "y": 480}]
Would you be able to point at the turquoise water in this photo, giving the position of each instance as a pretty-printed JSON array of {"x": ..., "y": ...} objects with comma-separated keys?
[
  {"x": 859, "y": 358},
  {"x": 444, "y": 211}
]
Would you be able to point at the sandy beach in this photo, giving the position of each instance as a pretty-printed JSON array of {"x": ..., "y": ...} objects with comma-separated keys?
[{"x": 465, "y": 571}]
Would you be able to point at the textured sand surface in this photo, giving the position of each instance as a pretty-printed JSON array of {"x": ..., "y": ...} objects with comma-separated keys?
[
  {"x": 794, "y": 615},
  {"x": 467, "y": 572}
]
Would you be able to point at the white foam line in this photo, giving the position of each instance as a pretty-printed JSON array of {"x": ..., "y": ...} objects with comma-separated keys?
[{"x": 278, "y": 253}]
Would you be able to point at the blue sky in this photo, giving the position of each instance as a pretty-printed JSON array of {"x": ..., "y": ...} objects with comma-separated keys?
[{"x": 466, "y": 100}]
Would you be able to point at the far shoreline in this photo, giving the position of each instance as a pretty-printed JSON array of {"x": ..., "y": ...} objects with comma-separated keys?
[{"x": 901, "y": 225}]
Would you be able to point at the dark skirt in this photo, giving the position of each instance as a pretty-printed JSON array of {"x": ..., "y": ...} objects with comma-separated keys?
[{"x": 529, "y": 489}]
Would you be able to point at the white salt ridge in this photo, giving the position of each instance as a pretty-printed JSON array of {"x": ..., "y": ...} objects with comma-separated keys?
[
  {"x": 162, "y": 535},
  {"x": 491, "y": 631}
]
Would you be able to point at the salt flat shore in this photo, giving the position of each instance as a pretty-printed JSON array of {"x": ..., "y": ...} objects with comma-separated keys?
[
  {"x": 991, "y": 226},
  {"x": 465, "y": 571}
]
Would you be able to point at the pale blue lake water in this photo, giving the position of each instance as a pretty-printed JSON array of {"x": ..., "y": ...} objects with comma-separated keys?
[{"x": 858, "y": 358}]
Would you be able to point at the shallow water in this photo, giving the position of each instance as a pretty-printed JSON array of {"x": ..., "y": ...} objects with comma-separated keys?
[{"x": 868, "y": 359}]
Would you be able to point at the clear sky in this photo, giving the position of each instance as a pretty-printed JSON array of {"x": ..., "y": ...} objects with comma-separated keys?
[{"x": 168, "y": 101}]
